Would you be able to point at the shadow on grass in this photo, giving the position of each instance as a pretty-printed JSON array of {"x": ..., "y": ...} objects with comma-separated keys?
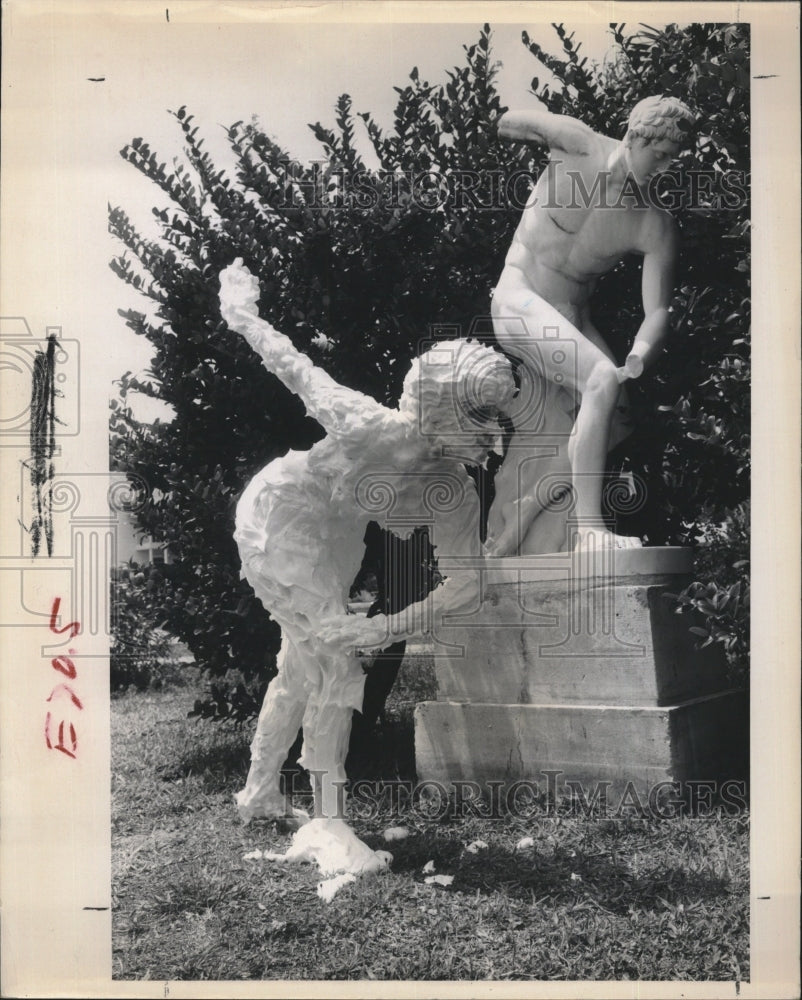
[
  {"x": 385, "y": 754},
  {"x": 220, "y": 764},
  {"x": 558, "y": 877}
]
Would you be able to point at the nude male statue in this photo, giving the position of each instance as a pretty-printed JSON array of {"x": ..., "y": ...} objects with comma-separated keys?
[
  {"x": 588, "y": 210},
  {"x": 300, "y": 526}
]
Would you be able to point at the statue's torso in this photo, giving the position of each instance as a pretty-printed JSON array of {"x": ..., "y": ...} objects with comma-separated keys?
[{"x": 577, "y": 225}]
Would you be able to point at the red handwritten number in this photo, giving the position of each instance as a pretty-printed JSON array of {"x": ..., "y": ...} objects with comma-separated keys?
[
  {"x": 60, "y": 734},
  {"x": 65, "y": 689},
  {"x": 60, "y": 745},
  {"x": 73, "y": 628},
  {"x": 65, "y": 665}
]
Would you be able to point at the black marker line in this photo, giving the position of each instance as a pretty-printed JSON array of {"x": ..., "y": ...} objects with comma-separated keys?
[{"x": 43, "y": 445}]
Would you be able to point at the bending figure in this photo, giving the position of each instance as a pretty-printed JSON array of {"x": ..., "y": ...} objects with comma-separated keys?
[
  {"x": 300, "y": 525},
  {"x": 590, "y": 208}
]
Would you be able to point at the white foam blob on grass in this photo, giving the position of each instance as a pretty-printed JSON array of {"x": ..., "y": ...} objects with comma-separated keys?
[
  {"x": 439, "y": 880},
  {"x": 475, "y": 846},
  {"x": 395, "y": 833},
  {"x": 329, "y": 888},
  {"x": 333, "y": 846},
  {"x": 525, "y": 842}
]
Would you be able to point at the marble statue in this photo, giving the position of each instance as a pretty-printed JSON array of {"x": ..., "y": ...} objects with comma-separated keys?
[
  {"x": 590, "y": 208},
  {"x": 300, "y": 525}
]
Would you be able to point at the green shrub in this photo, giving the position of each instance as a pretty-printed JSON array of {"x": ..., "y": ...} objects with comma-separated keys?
[
  {"x": 722, "y": 591},
  {"x": 139, "y": 649}
]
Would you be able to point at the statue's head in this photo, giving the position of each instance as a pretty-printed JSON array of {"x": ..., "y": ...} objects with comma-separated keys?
[
  {"x": 661, "y": 118},
  {"x": 455, "y": 392},
  {"x": 658, "y": 129}
]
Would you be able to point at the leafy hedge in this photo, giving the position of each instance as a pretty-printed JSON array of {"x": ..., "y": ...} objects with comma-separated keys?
[{"x": 139, "y": 648}]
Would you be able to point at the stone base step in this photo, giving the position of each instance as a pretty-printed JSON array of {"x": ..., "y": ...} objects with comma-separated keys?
[
  {"x": 546, "y": 642},
  {"x": 697, "y": 740}
]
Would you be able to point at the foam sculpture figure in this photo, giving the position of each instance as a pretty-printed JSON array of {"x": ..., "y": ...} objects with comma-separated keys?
[
  {"x": 300, "y": 525},
  {"x": 590, "y": 207}
]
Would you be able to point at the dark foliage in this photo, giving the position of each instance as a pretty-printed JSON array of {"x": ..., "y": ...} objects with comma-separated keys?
[{"x": 139, "y": 648}]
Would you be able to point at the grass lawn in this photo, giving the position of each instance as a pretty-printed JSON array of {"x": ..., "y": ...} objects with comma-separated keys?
[{"x": 591, "y": 898}]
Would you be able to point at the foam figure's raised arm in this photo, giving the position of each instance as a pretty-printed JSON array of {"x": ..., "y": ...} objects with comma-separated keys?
[
  {"x": 554, "y": 131},
  {"x": 339, "y": 410}
]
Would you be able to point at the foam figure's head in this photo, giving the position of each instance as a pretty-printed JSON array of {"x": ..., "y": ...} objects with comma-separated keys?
[{"x": 455, "y": 392}]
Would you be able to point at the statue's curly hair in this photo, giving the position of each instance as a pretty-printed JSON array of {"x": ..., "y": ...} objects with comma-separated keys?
[
  {"x": 457, "y": 382},
  {"x": 661, "y": 118}
]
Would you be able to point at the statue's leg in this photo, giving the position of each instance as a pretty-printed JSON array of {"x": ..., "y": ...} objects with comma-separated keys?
[
  {"x": 519, "y": 504},
  {"x": 279, "y": 721},
  {"x": 554, "y": 348},
  {"x": 621, "y": 424},
  {"x": 535, "y": 458},
  {"x": 587, "y": 449}
]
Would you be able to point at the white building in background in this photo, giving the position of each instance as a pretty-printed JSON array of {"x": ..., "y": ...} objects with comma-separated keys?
[{"x": 133, "y": 545}]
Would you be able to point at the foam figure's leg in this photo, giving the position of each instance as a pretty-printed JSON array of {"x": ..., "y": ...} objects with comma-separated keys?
[
  {"x": 328, "y": 840},
  {"x": 279, "y": 721},
  {"x": 326, "y": 732}
]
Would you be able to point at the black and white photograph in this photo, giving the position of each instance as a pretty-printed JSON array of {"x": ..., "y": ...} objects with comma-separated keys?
[{"x": 400, "y": 550}]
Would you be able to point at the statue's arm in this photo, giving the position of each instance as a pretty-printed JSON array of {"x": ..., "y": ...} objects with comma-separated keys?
[
  {"x": 337, "y": 409},
  {"x": 661, "y": 246},
  {"x": 554, "y": 131}
]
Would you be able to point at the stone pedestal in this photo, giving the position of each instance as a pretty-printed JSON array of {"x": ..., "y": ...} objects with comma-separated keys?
[{"x": 580, "y": 665}]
